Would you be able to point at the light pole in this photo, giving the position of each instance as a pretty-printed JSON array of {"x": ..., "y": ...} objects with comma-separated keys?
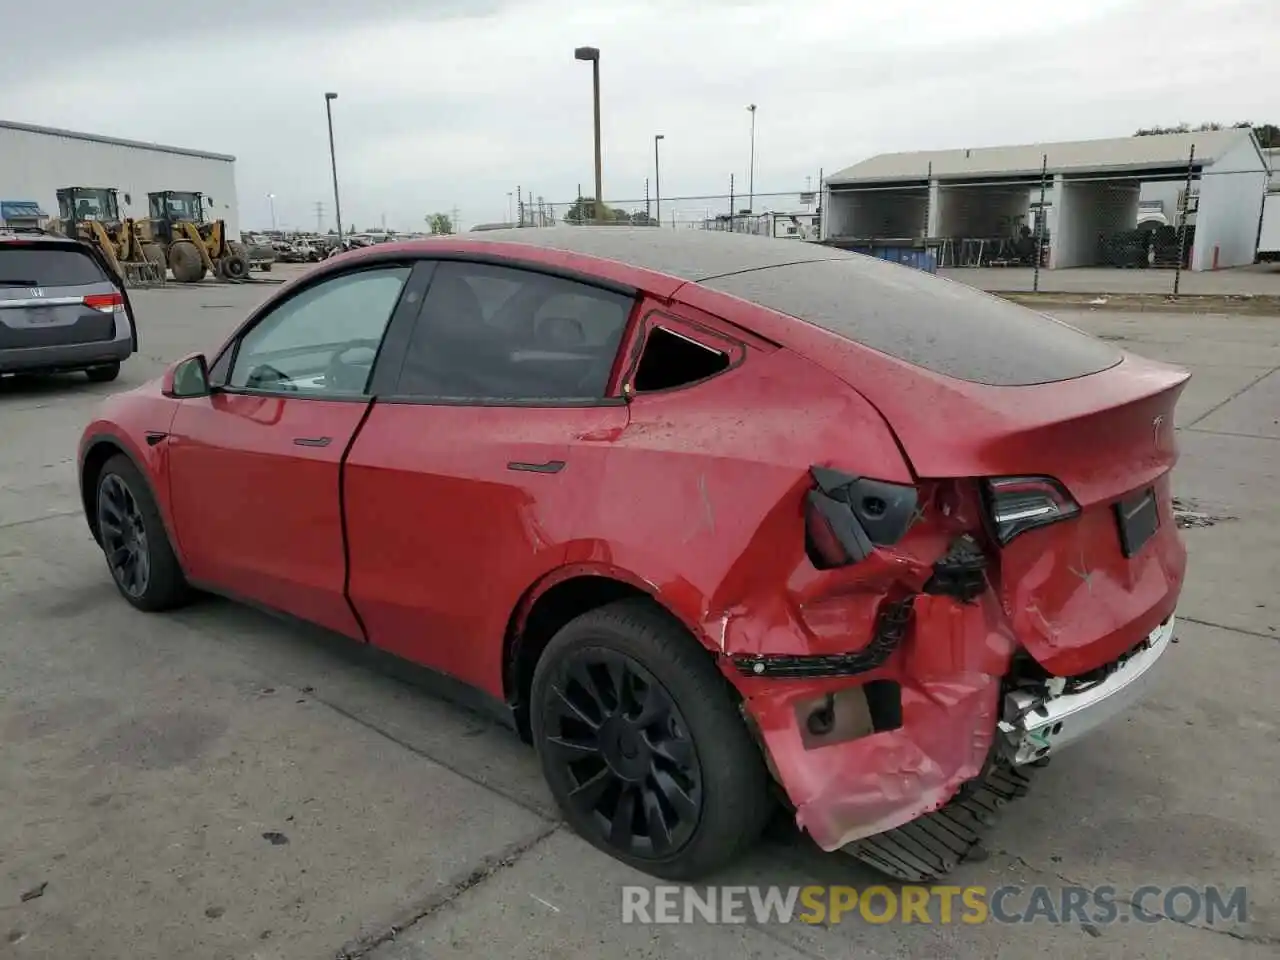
[
  {"x": 333, "y": 161},
  {"x": 511, "y": 208},
  {"x": 657, "y": 180},
  {"x": 271, "y": 198},
  {"x": 593, "y": 54},
  {"x": 751, "y": 173}
]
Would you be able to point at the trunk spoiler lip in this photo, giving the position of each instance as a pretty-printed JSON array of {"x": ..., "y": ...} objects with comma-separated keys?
[{"x": 940, "y": 422}]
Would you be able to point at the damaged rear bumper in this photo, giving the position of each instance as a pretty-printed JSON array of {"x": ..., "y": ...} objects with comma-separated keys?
[
  {"x": 876, "y": 770},
  {"x": 1033, "y": 727}
]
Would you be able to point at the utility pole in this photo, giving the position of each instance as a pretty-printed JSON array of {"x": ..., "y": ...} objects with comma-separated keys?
[
  {"x": 455, "y": 215},
  {"x": 593, "y": 54},
  {"x": 731, "y": 214},
  {"x": 657, "y": 180},
  {"x": 646, "y": 199},
  {"x": 751, "y": 174},
  {"x": 333, "y": 161},
  {"x": 319, "y": 217}
]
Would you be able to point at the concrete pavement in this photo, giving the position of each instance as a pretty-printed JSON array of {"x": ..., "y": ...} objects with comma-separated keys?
[{"x": 217, "y": 783}]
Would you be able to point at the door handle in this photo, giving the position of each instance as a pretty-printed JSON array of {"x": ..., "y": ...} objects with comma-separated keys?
[
  {"x": 313, "y": 441},
  {"x": 551, "y": 466}
]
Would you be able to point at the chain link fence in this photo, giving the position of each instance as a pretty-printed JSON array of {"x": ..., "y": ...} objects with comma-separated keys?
[{"x": 789, "y": 214}]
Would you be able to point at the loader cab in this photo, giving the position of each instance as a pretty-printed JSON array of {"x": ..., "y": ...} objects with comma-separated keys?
[
  {"x": 172, "y": 206},
  {"x": 78, "y": 205}
]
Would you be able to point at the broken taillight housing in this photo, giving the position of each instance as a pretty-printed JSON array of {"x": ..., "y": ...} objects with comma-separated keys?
[
  {"x": 105, "y": 302},
  {"x": 1018, "y": 504}
]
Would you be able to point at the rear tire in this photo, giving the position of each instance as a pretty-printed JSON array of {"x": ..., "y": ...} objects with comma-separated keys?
[
  {"x": 134, "y": 541},
  {"x": 185, "y": 262},
  {"x": 643, "y": 746},
  {"x": 103, "y": 374}
]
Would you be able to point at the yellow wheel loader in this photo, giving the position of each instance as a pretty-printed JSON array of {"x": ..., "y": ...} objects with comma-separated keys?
[
  {"x": 191, "y": 246},
  {"x": 92, "y": 214}
]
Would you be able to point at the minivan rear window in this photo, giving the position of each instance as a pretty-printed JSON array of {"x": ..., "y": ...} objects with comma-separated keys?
[
  {"x": 943, "y": 326},
  {"x": 47, "y": 266}
]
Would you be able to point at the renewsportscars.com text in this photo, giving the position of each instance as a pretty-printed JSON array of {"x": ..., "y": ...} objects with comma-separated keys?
[{"x": 1098, "y": 906}]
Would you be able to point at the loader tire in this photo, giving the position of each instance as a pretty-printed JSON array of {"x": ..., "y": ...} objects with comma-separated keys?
[
  {"x": 154, "y": 254},
  {"x": 235, "y": 265},
  {"x": 185, "y": 262}
]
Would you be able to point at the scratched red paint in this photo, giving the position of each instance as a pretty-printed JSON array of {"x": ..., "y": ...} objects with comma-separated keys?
[{"x": 694, "y": 496}]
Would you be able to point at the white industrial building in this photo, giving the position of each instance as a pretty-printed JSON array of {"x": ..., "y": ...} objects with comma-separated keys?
[
  {"x": 35, "y": 162},
  {"x": 939, "y": 199}
]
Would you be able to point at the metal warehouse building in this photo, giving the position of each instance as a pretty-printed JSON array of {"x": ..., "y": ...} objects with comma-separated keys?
[
  {"x": 983, "y": 198},
  {"x": 35, "y": 162}
]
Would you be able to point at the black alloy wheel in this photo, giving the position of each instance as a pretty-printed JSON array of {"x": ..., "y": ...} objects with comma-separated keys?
[
  {"x": 124, "y": 535},
  {"x": 625, "y": 753}
]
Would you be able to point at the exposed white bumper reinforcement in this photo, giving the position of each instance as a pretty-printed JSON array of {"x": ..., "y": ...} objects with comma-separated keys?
[{"x": 1033, "y": 726}]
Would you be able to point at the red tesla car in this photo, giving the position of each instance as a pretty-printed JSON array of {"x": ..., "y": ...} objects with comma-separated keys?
[{"x": 714, "y": 520}]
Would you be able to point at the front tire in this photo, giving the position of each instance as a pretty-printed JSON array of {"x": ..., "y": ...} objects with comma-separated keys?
[
  {"x": 643, "y": 746},
  {"x": 133, "y": 538}
]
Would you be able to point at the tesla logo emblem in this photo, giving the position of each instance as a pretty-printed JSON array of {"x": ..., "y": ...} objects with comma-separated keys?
[
  {"x": 1156, "y": 424},
  {"x": 37, "y": 292}
]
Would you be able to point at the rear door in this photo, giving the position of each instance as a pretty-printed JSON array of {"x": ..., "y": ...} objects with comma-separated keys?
[
  {"x": 55, "y": 295},
  {"x": 254, "y": 468},
  {"x": 480, "y": 454}
]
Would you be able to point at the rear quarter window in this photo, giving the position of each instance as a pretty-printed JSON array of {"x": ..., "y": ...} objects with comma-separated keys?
[
  {"x": 940, "y": 325},
  {"x": 36, "y": 266}
]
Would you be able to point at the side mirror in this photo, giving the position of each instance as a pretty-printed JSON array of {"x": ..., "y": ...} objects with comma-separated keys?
[{"x": 189, "y": 377}]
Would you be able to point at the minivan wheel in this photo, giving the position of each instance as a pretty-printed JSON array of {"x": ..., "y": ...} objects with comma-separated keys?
[
  {"x": 642, "y": 745},
  {"x": 103, "y": 374},
  {"x": 134, "y": 541}
]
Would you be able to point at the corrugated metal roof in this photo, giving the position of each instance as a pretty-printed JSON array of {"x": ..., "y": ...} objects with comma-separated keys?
[
  {"x": 1168, "y": 150},
  {"x": 114, "y": 141}
]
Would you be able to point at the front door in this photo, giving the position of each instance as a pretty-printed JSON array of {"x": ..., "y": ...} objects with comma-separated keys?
[
  {"x": 255, "y": 467},
  {"x": 481, "y": 460}
]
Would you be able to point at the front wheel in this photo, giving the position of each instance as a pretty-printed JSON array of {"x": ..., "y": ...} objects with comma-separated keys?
[
  {"x": 643, "y": 746},
  {"x": 134, "y": 541}
]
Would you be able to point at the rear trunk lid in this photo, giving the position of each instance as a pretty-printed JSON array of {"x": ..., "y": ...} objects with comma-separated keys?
[{"x": 975, "y": 387}]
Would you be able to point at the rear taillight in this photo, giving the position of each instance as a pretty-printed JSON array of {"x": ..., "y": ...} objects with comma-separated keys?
[
  {"x": 1018, "y": 504},
  {"x": 105, "y": 302}
]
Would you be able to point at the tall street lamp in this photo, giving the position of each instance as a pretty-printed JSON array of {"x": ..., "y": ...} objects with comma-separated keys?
[
  {"x": 657, "y": 180},
  {"x": 271, "y": 198},
  {"x": 333, "y": 161},
  {"x": 593, "y": 54},
  {"x": 751, "y": 173}
]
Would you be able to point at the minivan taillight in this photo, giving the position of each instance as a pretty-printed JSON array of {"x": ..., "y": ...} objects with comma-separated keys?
[
  {"x": 105, "y": 302},
  {"x": 1018, "y": 504}
]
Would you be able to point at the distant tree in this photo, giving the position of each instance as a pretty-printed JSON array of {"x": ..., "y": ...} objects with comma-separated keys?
[
  {"x": 1268, "y": 134},
  {"x": 583, "y": 211},
  {"x": 440, "y": 224}
]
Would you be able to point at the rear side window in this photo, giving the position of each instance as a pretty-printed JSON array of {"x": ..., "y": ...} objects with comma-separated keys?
[
  {"x": 36, "y": 266},
  {"x": 500, "y": 333},
  {"x": 940, "y": 325}
]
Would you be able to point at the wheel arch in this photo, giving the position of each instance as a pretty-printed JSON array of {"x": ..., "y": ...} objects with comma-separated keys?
[
  {"x": 553, "y": 601},
  {"x": 97, "y": 450}
]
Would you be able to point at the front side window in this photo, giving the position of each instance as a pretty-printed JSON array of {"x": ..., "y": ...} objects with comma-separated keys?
[
  {"x": 499, "y": 333},
  {"x": 322, "y": 341}
]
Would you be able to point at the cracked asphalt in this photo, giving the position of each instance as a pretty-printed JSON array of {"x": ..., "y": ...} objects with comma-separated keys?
[{"x": 218, "y": 784}]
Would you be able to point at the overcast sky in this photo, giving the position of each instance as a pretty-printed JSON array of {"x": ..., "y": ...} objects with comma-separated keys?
[{"x": 453, "y": 103}]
